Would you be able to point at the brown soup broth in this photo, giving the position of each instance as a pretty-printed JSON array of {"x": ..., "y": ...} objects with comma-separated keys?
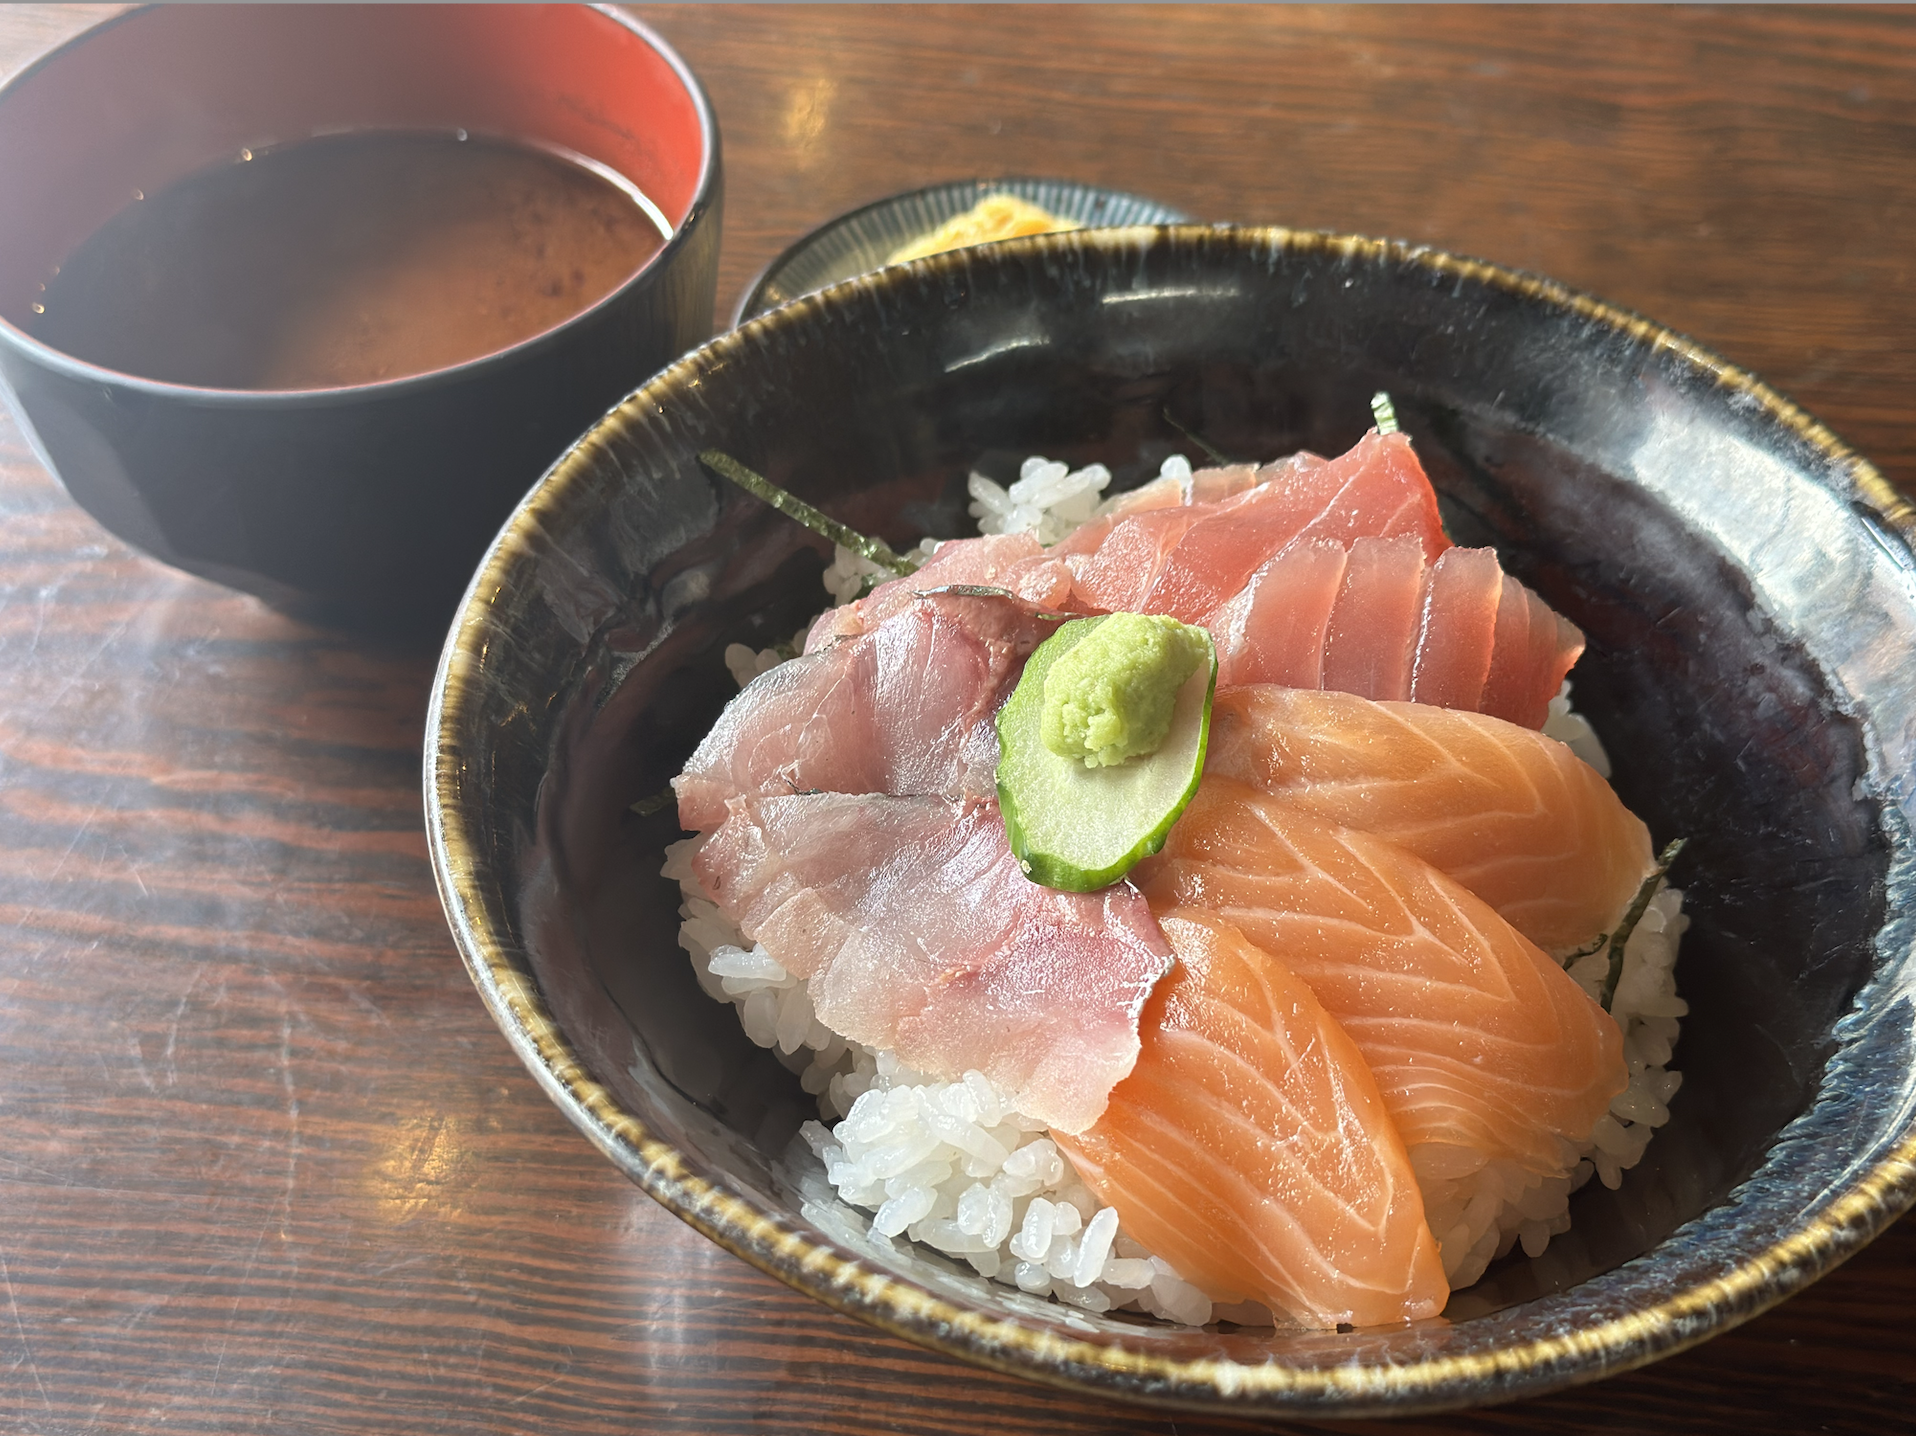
[{"x": 346, "y": 259}]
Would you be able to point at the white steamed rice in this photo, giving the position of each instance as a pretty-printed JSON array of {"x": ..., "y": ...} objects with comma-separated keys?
[{"x": 949, "y": 1165}]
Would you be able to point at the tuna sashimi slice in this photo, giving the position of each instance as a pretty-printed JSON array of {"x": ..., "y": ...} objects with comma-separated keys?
[
  {"x": 904, "y": 708},
  {"x": 1478, "y": 1041},
  {"x": 1522, "y": 684},
  {"x": 1513, "y": 816},
  {"x": 1205, "y": 489},
  {"x": 1185, "y": 560},
  {"x": 1372, "y": 635},
  {"x": 1384, "y": 623},
  {"x": 1118, "y": 573},
  {"x": 1377, "y": 490},
  {"x": 1383, "y": 492},
  {"x": 1015, "y": 562},
  {"x": 1274, "y": 629},
  {"x": 1251, "y": 1149},
  {"x": 1458, "y": 629},
  {"x": 1205, "y": 486},
  {"x": 916, "y": 931},
  {"x": 1508, "y": 685}
]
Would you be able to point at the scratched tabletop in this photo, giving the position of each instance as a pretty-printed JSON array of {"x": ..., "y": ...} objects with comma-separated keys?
[{"x": 266, "y": 1164}]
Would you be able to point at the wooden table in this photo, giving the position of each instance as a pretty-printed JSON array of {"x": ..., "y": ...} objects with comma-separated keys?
[{"x": 269, "y": 1167}]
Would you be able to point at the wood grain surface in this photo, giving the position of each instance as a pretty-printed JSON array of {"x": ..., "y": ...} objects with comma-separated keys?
[{"x": 268, "y": 1166}]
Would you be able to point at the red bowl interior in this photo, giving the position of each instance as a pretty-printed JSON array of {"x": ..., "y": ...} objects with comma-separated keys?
[{"x": 160, "y": 93}]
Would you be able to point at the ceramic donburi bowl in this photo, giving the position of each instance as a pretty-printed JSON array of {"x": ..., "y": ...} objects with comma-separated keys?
[{"x": 1745, "y": 581}]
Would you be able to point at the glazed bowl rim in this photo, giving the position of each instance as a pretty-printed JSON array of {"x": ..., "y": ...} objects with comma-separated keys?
[
  {"x": 1880, "y": 1191},
  {"x": 212, "y": 396}
]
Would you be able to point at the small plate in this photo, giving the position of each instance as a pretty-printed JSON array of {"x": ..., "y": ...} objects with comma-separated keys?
[{"x": 858, "y": 242}]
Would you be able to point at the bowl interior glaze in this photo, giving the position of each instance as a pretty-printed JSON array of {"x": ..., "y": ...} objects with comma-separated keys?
[{"x": 1750, "y": 599}]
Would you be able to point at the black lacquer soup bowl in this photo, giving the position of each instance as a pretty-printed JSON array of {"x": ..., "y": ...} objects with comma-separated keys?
[{"x": 1745, "y": 581}]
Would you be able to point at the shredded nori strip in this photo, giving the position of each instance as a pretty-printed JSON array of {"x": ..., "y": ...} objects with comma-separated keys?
[
  {"x": 1216, "y": 456},
  {"x": 1384, "y": 412},
  {"x": 973, "y": 590},
  {"x": 1596, "y": 945},
  {"x": 986, "y": 590},
  {"x": 657, "y": 803},
  {"x": 1621, "y": 937},
  {"x": 760, "y": 487}
]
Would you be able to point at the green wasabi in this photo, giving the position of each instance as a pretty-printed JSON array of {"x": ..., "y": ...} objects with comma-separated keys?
[
  {"x": 1109, "y": 699},
  {"x": 1102, "y": 745}
]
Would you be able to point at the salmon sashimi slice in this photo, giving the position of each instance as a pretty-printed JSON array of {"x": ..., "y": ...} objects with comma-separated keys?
[
  {"x": 1251, "y": 1149},
  {"x": 1513, "y": 816},
  {"x": 1017, "y": 563},
  {"x": 916, "y": 930},
  {"x": 1185, "y": 560},
  {"x": 1378, "y": 620},
  {"x": 905, "y": 708},
  {"x": 1479, "y": 1042}
]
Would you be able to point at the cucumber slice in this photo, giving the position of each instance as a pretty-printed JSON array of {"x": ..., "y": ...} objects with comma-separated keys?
[{"x": 1079, "y": 829}]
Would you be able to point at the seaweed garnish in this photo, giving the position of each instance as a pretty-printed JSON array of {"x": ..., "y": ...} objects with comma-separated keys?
[
  {"x": 971, "y": 590},
  {"x": 1215, "y": 455},
  {"x": 657, "y": 803},
  {"x": 1633, "y": 915},
  {"x": 1596, "y": 945},
  {"x": 873, "y": 549}
]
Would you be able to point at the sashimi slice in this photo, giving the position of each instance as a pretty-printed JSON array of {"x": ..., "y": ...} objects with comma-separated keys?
[
  {"x": 1377, "y": 490},
  {"x": 916, "y": 931},
  {"x": 1522, "y": 683},
  {"x": 1250, "y": 1147},
  {"x": 1205, "y": 486},
  {"x": 1458, "y": 633},
  {"x": 1478, "y": 1041},
  {"x": 1513, "y": 816},
  {"x": 1117, "y": 574},
  {"x": 1372, "y": 635},
  {"x": 1488, "y": 644},
  {"x": 1506, "y": 685},
  {"x": 1274, "y": 629},
  {"x": 1186, "y": 560},
  {"x": 1016, "y": 562},
  {"x": 1383, "y": 492},
  {"x": 1458, "y": 629},
  {"x": 904, "y": 708}
]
